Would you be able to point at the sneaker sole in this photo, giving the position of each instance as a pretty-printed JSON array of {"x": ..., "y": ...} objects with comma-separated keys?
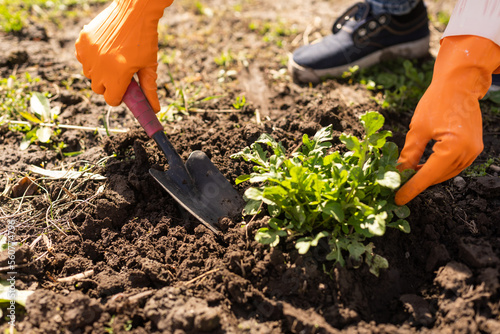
[{"x": 414, "y": 49}]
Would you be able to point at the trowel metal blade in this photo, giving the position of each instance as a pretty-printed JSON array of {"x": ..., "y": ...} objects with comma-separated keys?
[{"x": 208, "y": 195}]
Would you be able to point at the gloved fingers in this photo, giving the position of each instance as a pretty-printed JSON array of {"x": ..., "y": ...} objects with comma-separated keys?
[
  {"x": 81, "y": 48},
  {"x": 456, "y": 168},
  {"x": 114, "y": 92},
  {"x": 445, "y": 163},
  {"x": 98, "y": 87},
  {"x": 413, "y": 150},
  {"x": 147, "y": 80},
  {"x": 427, "y": 176}
]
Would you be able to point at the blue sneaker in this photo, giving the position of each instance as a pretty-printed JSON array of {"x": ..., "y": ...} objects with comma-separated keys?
[{"x": 363, "y": 39}]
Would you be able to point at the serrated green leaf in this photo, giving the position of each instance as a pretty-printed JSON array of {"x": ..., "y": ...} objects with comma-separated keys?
[
  {"x": 265, "y": 138},
  {"x": 277, "y": 148},
  {"x": 351, "y": 142},
  {"x": 323, "y": 134},
  {"x": 372, "y": 121},
  {"x": 259, "y": 156},
  {"x": 378, "y": 140}
]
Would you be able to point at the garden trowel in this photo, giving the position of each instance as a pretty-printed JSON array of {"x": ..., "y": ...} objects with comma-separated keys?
[{"x": 197, "y": 185}]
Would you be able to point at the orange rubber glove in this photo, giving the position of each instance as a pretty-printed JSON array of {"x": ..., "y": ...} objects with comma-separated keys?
[
  {"x": 119, "y": 42},
  {"x": 449, "y": 113}
]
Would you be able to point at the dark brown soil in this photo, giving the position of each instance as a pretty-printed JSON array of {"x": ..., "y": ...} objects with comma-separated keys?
[{"x": 152, "y": 268}]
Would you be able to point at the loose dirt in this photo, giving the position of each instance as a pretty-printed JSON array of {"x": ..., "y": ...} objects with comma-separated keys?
[{"x": 148, "y": 267}]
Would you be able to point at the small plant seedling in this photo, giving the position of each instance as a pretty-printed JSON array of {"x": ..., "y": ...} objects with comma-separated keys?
[
  {"x": 15, "y": 92},
  {"x": 40, "y": 113},
  {"x": 239, "y": 102},
  {"x": 273, "y": 32},
  {"x": 225, "y": 59},
  {"x": 314, "y": 194},
  {"x": 480, "y": 169},
  {"x": 401, "y": 83},
  {"x": 184, "y": 101}
]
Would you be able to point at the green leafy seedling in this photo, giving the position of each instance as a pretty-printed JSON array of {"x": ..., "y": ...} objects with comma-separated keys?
[
  {"x": 40, "y": 113},
  {"x": 239, "y": 102},
  {"x": 401, "y": 82},
  {"x": 317, "y": 194},
  {"x": 185, "y": 100},
  {"x": 225, "y": 59}
]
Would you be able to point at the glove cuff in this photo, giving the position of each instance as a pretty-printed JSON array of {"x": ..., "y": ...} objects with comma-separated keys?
[
  {"x": 468, "y": 62},
  {"x": 150, "y": 9}
]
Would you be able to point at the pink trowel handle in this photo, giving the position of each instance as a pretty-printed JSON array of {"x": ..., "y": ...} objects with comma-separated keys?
[{"x": 139, "y": 105}]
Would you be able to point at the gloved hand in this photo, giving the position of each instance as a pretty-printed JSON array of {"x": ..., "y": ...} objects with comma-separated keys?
[
  {"x": 449, "y": 113},
  {"x": 121, "y": 41}
]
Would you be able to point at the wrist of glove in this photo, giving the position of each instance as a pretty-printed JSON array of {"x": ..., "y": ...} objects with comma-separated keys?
[
  {"x": 119, "y": 42},
  {"x": 449, "y": 113}
]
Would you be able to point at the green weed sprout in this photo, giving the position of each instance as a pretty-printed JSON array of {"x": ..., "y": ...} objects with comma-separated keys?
[
  {"x": 240, "y": 102},
  {"x": 40, "y": 114},
  {"x": 401, "y": 83},
  {"x": 346, "y": 198}
]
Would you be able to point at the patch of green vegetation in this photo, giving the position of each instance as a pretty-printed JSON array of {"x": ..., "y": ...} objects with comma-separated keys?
[
  {"x": 185, "y": 99},
  {"x": 39, "y": 114},
  {"x": 493, "y": 97},
  {"x": 273, "y": 31},
  {"x": 239, "y": 102},
  {"x": 128, "y": 325},
  {"x": 314, "y": 194},
  {"x": 400, "y": 82},
  {"x": 477, "y": 170},
  {"x": 225, "y": 59},
  {"x": 15, "y": 14},
  {"x": 15, "y": 93},
  {"x": 29, "y": 112},
  {"x": 238, "y": 7},
  {"x": 443, "y": 17}
]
